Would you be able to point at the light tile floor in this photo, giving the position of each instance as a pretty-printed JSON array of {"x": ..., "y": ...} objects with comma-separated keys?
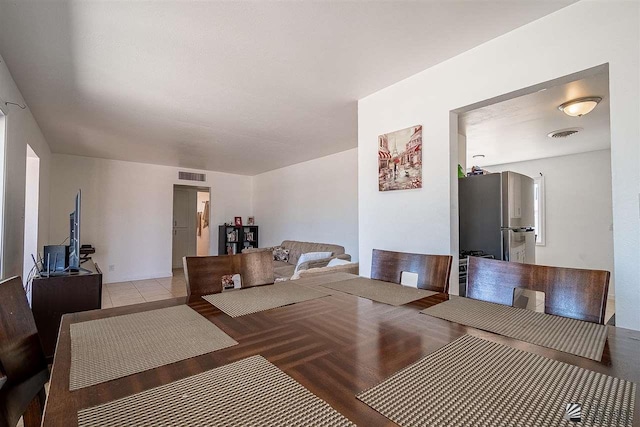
[{"x": 139, "y": 291}]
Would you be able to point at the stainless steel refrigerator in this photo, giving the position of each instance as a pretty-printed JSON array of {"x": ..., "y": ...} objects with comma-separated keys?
[{"x": 497, "y": 216}]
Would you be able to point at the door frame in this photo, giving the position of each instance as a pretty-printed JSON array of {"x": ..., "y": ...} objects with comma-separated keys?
[{"x": 197, "y": 188}]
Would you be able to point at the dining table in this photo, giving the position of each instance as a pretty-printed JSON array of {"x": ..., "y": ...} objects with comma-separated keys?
[{"x": 335, "y": 346}]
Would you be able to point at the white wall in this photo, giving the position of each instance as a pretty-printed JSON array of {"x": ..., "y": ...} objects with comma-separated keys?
[
  {"x": 315, "y": 201},
  {"x": 579, "y": 219},
  {"x": 32, "y": 194},
  {"x": 21, "y": 129},
  {"x": 128, "y": 208},
  {"x": 425, "y": 220}
]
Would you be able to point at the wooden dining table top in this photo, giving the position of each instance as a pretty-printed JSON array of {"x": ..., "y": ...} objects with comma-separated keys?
[{"x": 335, "y": 346}]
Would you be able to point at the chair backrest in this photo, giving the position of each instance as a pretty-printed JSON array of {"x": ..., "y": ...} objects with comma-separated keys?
[
  {"x": 21, "y": 353},
  {"x": 204, "y": 273},
  {"x": 256, "y": 268},
  {"x": 569, "y": 292},
  {"x": 432, "y": 270}
]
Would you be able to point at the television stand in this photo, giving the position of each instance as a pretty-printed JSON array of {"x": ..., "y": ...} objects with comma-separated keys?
[{"x": 62, "y": 293}]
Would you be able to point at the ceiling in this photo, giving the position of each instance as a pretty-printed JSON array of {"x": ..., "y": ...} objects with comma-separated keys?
[
  {"x": 233, "y": 86},
  {"x": 516, "y": 130}
]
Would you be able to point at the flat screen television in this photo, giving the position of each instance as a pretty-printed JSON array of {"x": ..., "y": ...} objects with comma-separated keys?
[{"x": 74, "y": 235}]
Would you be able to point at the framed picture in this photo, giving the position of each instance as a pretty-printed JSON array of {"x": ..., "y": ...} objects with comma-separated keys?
[
  {"x": 238, "y": 221},
  {"x": 400, "y": 159},
  {"x": 251, "y": 221}
]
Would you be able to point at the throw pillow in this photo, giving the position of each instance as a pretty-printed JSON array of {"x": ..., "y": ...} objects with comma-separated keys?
[
  {"x": 312, "y": 256},
  {"x": 338, "y": 261},
  {"x": 280, "y": 254}
]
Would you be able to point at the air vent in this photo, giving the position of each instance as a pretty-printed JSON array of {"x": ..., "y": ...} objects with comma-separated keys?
[
  {"x": 564, "y": 133},
  {"x": 192, "y": 176}
]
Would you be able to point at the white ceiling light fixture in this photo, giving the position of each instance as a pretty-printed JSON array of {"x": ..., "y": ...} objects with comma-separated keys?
[
  {"x": 579, "y": 107},
  {"x": 478, "y": 156}
]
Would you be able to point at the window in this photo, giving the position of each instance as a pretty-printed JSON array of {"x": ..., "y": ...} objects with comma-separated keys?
[{"x": 538, "y": 209}]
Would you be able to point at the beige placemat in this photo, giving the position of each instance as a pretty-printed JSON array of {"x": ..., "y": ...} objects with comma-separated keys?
[
  {"x": 106, "y": 349},
  {"x": 584, "y": 339},
  {"x": 376, "y": 290},
  {"x": 321, "y": 279},
  {"x": 260, "y": 298},
  {"x": 474, "y": 382},
  {"x": 250, "y": 392}
]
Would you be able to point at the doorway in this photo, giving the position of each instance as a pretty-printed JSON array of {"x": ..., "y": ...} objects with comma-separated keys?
[
  {"x": 191, "y": 222},
  {"x": 31, "y": 198}
]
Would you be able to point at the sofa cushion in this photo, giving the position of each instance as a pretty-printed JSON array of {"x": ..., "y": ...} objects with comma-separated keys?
[
  {"x": 311, "y": 256},
  {"x": 283, "y": 269},
  {"x": 352, "y": 268},
  {"x": 338, "y": 261},
  {"x": 298, "y": 248}
]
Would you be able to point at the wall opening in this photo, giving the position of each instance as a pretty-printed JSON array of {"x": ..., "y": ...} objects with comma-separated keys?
[
  {"x": 31, "y": 198},
  {"x": 569, "y": 206},
  {"x": 191, "y": 227},
  {"x": 203, "y": 228}
]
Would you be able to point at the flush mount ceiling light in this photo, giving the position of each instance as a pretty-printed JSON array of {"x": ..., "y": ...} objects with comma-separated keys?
[
  {"x": 580, "y": 107},
  {"x": 478, "y": 156}
]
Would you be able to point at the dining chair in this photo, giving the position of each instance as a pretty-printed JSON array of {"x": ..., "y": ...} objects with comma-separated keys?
[
  {"x": 569, "y": 292},
  {"x": 432, "y": 270},
  {"x": 256, "y": 268},
  {"x": 23, "y": 367}
]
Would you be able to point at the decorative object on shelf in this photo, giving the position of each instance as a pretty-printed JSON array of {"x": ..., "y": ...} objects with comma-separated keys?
[
  {"x": 232, "y": 236},
  {"x": 400, "y": 159},
  {"x": 251, "y": 220},
  {"x": 238, "y": 221}
]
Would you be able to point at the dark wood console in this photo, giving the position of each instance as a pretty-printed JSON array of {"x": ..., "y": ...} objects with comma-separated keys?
[{"x": 51, "y": 297}]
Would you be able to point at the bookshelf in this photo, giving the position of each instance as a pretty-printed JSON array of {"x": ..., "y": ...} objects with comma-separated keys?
[{"x": 232, "y": 239}]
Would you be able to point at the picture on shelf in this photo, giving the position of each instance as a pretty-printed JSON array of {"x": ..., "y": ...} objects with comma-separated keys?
[
  {"x": 232, "y": 236},
  {"x": 249, "y": 236},
  {"x": 238, "y": 221},
  {"x": 251, "y": 220}
]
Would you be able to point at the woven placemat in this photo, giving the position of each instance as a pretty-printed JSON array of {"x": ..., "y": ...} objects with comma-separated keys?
[
  {"x": 322, "y": 279},
  {"x": 250, "y": 392},
  {"x": 572, "y": 336},
  {"x": 106, "y": 349},
  {"x": 376, "y": 290},
  {"x": 260, "y": 298},
  {"x": 474, "y": 382}
]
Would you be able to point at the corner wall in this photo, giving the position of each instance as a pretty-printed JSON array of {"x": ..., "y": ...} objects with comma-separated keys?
[
  {"x": 425, "y": 220},
  {"x": 21, "y": 129},
  {"x": 315, "y": 201},
  {"x": 127, "y": 211}
]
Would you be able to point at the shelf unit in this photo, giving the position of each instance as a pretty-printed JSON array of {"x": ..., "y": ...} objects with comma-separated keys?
[{"x": 245, "y": 237}]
